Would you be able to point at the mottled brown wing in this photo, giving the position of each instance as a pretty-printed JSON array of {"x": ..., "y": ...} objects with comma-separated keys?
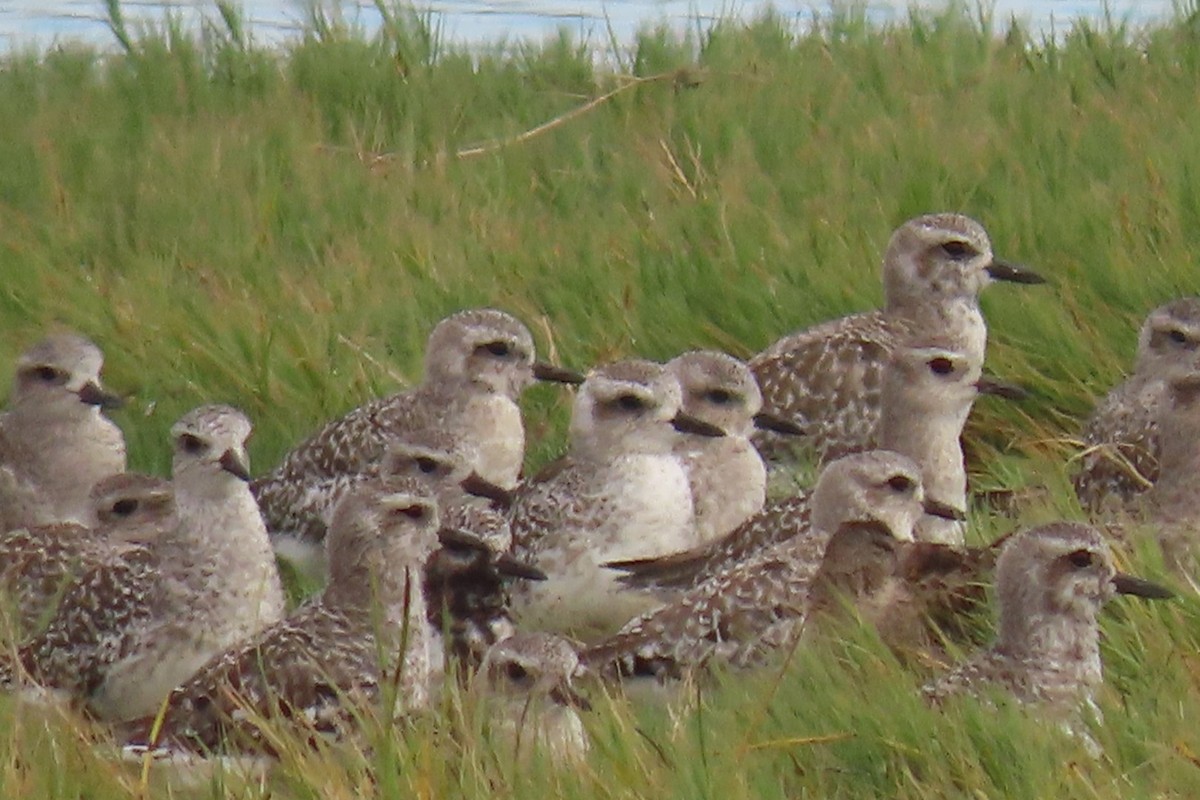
[
  {"x": 827, "y": 380},
  {"x": 1121, "y": 437},
  {"x": 301, "y": 670},
  {"x": 778, "y": 521}
]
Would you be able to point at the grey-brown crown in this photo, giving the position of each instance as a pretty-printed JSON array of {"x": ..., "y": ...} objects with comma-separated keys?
[
  {"x": 381, "y": 527},
  {"x": 483, "y": 346},
  {"x": 133, "y": 506},
  {"x": 938, "y": 256},
  {"x": 212, "y": 437},
  {"x": 718, "y": 389},
  {"x": 628, "y": 404},
  {"x": 875, "y": 486},
  {"x": 1170, "y": 337},
  {"x": 59, "y": 365}
]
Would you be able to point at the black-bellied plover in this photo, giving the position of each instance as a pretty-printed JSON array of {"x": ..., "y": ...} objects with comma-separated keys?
[
  {"x": 747, "y": 610},
  {"x": 37, "y": 563},
  {"x": 477, "y": 363},
  {"x": 726, "y": 473},
  {"x": 1170, "y": 507},
  {"x": 1121, "y": 459},
  {"x": 929, "y": 387},
  {"x": 129, "y": 631},
  {"x": 530, "y": 696},
  {"x": 827, "y": 379},
  {"x": 619, "y": 492},
  {"x": 1051, "y": 582},
  {"x": 55, "y": 441},
  {"x": 466, "y": 580},
  {"x": 332, "y": 659}
]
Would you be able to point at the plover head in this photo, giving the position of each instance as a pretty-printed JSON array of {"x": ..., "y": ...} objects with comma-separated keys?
[
  {"x": 632, "y": 406},
  {"x": 488, "y": 348},
  {"x": 943, "y": 256},
  {"x": 535, "y": 664},
  {"x": 380, "y": 528},
  {"x": 211, "y": 440},
  {"x": 876, "y": 486},
  {"x": 58, "y": 374},
  {"x": 132, "y": 507},
  {"x": 718, "y": 389},
  {"x": 1170, "y": 337},
  {"x": 1058, "y": 572}
]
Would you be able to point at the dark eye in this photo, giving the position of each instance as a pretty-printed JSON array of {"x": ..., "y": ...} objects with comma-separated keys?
[
  {"x": 901, "y": 483},
  {"x": 125, "y": 507},
  {"x": 720, "y": 397},
  {"x": 427, "y": 465},
  {"x": 941, "y": 366},
  {"x": 498, "y": 349},
  {"x": 47, "y": 374},
  {"x": 191, "y": 444},
  {"x": 1082, "y": 559},
  {"x": 957, "y": 250},
  {"x": 516, "y": 672},
  {"x": 630, "y": 402},
  {"x": 1177, "y": 336}
]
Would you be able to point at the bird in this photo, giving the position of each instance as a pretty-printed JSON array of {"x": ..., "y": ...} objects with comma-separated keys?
[
  {"x": 477, "y": 363},
  {"x": 37, "y": 563},
  {"x": 727, "y": 476},
  {"x": 828, "y": 379},
  {"x": 1170, "y": 507},
  {"x": 929, "y": 387},
  {"x": 55, "y": 440},
  {"x": 530, "y": 699},
  {"x": 466, "y": 581},
  {"x": 332, "y": 660},
  {"x": 1051, "y": 582},
  {"x": 1121, "y": 438},
  {"x": 619, "y": 492},
  {"x": 742, "y": 613},
  {"x": 130, "y": 630}
]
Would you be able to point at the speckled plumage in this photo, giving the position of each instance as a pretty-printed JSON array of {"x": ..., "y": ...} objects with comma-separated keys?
[
  {"x": 1121, "y": 460},
  {"x": 55, "y": 441},
  {"x": 466, "y": 593},
  {"x": 37, "y": 563},
  {"x": 620, "y": 492},
  {"x": 727, "y": 476},
  {"x": 1172, "y": 505},
  {"x": 1051, "y": 582},
  {"x": 929, "y": 388},
  {"x": 127, "y": 632},
  {"x": 753, "y": 607},
  {"x": 477, "y": 363},
  {"x": 531, "y": 700},
  {"x": 778, "y": 521},
  {"x": 320, "y": 666},
  {"x": 828, "y": 379}
]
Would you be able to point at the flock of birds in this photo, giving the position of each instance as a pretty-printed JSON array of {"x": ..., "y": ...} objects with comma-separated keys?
[{"x": 648, "y": 551}]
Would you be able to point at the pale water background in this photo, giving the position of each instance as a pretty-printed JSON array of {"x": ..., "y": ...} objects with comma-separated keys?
[{"x": 44, "y": 23}]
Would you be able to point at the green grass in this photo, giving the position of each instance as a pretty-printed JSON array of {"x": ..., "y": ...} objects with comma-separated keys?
[{"x": 280, "y": 229}]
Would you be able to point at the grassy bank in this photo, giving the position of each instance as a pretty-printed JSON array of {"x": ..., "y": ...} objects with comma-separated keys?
[{"x": 280, "y": 229}]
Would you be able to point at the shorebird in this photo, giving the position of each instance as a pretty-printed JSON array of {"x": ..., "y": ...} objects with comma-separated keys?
[
  {"x": 55, "y": 441},
  {"x": 929, "y": 387},
  {"x": 466, "y": 580},
  {"x": 1121, "y": 459},
  {"x": 332, "y": 658},
  {"x": 1051, "y": 582},
  {"x": 620, "y": 492},
  {"x": 477, "y": 363},
  {"x": 828, "y": 379},
  {"x": 726, "y": 474},
  {"x": 1171, "y": 505},
  {"x": 38, "y": 563},
  {"x": 129, "y": 631},
  {"x": 530, "y": 697},
  {"x": 742, "y": 613}
]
